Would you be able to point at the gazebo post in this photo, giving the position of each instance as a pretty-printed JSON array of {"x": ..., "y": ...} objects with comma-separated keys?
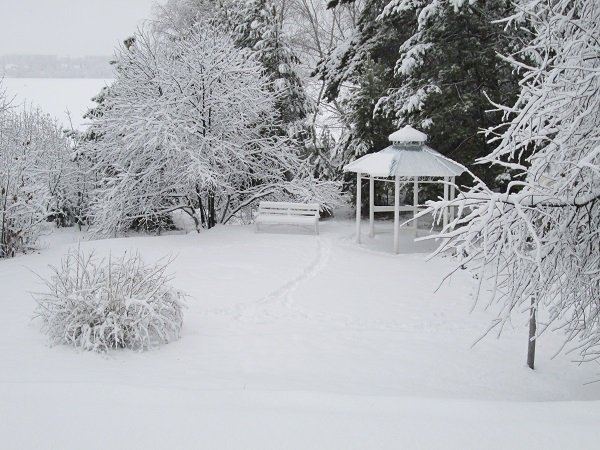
[
  {"x": 358, "y": 203},
  {"x": 396, "y": 214},
  {"x": 452, "y": 196},
  {"x": 371, "y": 206},
  {"x": 415, "y": 203},
  {"x": 445, "y": 213}
]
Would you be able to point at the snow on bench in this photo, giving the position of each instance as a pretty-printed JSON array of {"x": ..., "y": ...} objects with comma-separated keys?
[{"x": 283, "y": 213}]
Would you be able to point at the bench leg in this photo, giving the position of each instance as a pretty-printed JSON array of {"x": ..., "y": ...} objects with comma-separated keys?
[{"x": 317, "y": 227}]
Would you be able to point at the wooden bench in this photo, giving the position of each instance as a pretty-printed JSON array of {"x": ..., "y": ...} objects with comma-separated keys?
[{"x": 282, "y": 213}]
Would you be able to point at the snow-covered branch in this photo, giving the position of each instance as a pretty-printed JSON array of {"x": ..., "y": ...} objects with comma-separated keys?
[
  {"x": 540, "y": 241},
  {"x": 35, "y": 176},
  {"x": 190, "y": 123}
]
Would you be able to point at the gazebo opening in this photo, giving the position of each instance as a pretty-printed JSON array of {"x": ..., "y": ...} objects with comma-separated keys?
[{"x": 407, "y": 160}]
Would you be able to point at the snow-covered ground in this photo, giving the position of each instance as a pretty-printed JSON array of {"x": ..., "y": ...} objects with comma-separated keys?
[
  {"x": 56, "y": 96},
  {"x": 291, "y": 341}
]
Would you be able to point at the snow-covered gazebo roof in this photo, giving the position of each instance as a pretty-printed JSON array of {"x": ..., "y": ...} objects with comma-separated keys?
[{"x": 407, "y": 158}]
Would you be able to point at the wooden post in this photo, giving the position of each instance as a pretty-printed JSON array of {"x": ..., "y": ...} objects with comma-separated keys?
[
  {"x": 358, "y": 203},
  {"x": 371, "y": 206},
  {"x": 445, "y": 212},
  {"x": 415, "y": 204},
  {"x": 396, "y": 214}
]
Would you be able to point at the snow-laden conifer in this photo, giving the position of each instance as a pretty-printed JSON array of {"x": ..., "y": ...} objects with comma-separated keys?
[{"x": 258, "y": 27}]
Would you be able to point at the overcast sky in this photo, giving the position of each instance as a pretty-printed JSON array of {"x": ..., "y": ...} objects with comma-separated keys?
[{"x": 69, "y": 27}]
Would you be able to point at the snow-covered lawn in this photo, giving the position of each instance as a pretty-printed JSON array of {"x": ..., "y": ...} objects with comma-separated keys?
[{"x": 291, "y": 341}]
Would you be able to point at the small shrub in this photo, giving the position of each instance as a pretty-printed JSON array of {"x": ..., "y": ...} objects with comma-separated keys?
[{"x": 97, "y": 304}]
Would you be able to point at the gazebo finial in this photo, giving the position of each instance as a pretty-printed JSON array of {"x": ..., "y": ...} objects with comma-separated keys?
[{"x": 408, "y": 135}]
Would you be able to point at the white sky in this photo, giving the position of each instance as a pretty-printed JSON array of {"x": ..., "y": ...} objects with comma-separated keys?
[{"x": 69, "y": 27}]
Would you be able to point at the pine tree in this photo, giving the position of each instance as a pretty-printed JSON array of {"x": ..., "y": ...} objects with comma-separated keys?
[
  {"x": 358, "y": 73},
  {"x": 257, "y": 27},
  {"x": 438, "y": 66},
  {"x": 448, "y": 71}
]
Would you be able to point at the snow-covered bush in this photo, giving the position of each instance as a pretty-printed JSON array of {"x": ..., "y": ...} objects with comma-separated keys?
[
  {"x": 98, "y": 304},
  {"x": 37, "y": 176},
  {"x": 24, "y": 187}
]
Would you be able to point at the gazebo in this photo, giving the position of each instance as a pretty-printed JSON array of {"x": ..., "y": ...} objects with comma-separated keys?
[{"x": 407, "y": 160}]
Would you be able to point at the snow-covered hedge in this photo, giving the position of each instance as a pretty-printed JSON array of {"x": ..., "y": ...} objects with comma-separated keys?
[{"x": 98, "y": 304}]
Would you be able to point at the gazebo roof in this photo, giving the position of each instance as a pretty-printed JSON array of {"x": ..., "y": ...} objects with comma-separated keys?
[{"x": 408, "y": 156}]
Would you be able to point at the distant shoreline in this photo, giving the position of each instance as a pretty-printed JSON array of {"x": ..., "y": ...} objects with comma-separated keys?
[{"x": 43, "y": 77}]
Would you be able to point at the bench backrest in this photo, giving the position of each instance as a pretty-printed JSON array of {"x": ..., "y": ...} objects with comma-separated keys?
[{"x": 289, "y": 209}]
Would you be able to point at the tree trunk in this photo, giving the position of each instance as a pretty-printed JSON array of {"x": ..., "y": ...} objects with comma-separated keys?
[
  {"x": 212, "y": 220},
  {"x": 3, "y": 232},
  {"x": 194, "y": 216},
  {"x": 202, "y": 215},
  {"x": 532, "y": 338}
]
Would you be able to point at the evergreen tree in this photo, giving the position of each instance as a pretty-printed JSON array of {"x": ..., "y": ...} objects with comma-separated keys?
[
  {"x": 358, "y": 73},
  {"x": 257, "y": 27},
  {"x": 448, "y": 71},
  {"x": 438, "y": 66}
]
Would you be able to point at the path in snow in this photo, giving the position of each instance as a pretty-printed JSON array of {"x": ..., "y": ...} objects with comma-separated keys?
[
  {"x": 291, "y": 341},
  {"x": 281, "y": 300}
]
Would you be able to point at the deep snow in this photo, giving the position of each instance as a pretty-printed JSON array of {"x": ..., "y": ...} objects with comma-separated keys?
[{"x": 292, "y": 340}]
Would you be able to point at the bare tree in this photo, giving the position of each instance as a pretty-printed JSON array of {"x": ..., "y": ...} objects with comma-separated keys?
[
  {"x": 187, "y": 127},
  {"x": 315, "y": 31},
  {"x": 34, "y": 161},
  {"x": 538, "y": 243}
]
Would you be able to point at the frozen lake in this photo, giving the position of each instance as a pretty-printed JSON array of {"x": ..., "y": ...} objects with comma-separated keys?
[{"x": 56, "y": 96}]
